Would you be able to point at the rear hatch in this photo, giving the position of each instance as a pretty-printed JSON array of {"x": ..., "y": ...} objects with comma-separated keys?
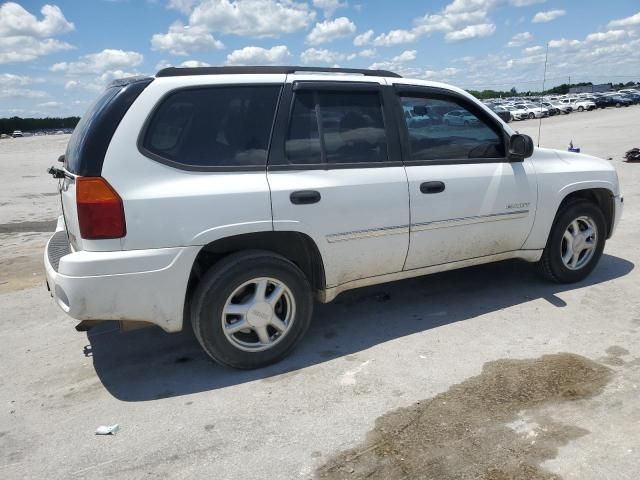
[{"x": 87, "y": 149}]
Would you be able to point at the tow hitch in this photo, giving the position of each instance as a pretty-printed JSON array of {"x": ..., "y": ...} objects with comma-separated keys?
[{"x": 56, "y": 172}]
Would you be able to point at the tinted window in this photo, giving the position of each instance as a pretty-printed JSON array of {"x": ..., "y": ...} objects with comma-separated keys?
[
  {"x": 441, "y": 128},
  {"x": 73, "y": 155},
  {"x": 303, "y": 139},
  {"x": 215, "y": 126},
  {"x": 335, "y": 127},
  {"x": 91, "y": 137}
]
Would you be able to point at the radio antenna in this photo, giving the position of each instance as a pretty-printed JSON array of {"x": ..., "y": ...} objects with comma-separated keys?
[{"x": 544, "y": 80}]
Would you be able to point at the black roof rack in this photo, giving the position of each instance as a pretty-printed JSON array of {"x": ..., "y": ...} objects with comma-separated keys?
[{"x": 179, "y": 72}]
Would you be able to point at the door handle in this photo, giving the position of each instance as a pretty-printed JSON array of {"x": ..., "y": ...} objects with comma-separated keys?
[
  {"x": 304, "y": 197},
  {"x": 432, "y": 187}
]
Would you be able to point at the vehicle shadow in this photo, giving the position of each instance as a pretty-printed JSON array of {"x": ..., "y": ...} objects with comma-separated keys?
[{"x": 150, "y": 364}]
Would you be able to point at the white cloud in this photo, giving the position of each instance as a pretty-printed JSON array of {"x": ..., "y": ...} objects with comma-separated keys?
[
  {"x": 609, "y": 36},
  {"x": 259, "y": 56},
  {"x": 193, "y": 63},
  {"x": 368, "y": 53},
  {"x": 525, "y": 3},
  {"x": 395, "y": 37},
  {"x": 324, "y": 56},
  {"x": 184, "y": 6},
  {"x": 253, "y": 18},
  {"x": 331, "y": 30},
  {"x": 181, "y": 39},
  {"x": 406, "y": 56},
  {"x": 111, "y": 75},
  {"x": 536, "y": 50},
  {"x": 52, "y": 105},
  {"x": 329, "y": 6},
  {"x": 548, "y": 16},
  {"x": 24, "y": 49},
  {"x": 24, "y": 38},
  {"x": 363, "y": 38},
  {"x": 472, "y": 31},
  {"x": 459, "y": 20},
  {"x": 11, "y": 80},
  {"x": 186, "y": 64},
  {"x": 631, "y": 21},
  {"x": 16, "y": 21},
  {"x": 108, "y": 59},
  {"x": 520, "y": 39},
  {"x": 563, "y": 43},
  {"x": 13, "y": 93}
]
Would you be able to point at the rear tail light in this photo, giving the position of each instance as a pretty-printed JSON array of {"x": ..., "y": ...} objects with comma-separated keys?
[{"x": 100, "y": 209}]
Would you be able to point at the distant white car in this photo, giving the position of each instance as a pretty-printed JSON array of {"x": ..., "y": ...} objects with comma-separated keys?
[
  {"x": 17, "y": 133},
  {"x": 566, "y": 109},
  {"x": 459, "y": 117},
  {"x": 533, "y": 111},
  {"x": 416, "y": 118},
  {"x": 517, "y": 113},
  {"x": 579, "y": 104}
]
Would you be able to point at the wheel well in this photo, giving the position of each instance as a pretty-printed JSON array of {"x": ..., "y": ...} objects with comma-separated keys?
[
  {"x": 602, "y": 197},
  {"x": 297, "y": 247}
]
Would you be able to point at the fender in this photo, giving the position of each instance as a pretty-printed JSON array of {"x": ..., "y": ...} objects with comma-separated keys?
[{"x": 549, "y": 205}]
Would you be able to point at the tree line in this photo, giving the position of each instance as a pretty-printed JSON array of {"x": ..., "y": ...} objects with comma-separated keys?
[{"x": 8, "y": 125}]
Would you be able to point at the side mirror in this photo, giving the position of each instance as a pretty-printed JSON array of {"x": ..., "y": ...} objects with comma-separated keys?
[{"x": 520, "y": 147}]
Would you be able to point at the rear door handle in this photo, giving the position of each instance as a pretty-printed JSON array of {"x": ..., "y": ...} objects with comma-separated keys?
[
  {"x": 432, "y": 187},
  {"x": 304, "y": 197}
]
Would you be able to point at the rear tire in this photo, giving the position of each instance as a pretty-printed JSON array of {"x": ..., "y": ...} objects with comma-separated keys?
[
  {"x": 581, "y": 109},
  {"x": 262, "y": 291},
  {"x": 575, "y": 243},
  {"x": 532, "y": 116}
]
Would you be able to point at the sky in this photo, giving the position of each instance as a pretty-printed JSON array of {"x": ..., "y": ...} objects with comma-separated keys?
[{"x": 56, "y": 57}]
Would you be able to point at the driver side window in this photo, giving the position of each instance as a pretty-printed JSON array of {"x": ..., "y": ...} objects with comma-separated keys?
[{"x": 441, "y": 128}]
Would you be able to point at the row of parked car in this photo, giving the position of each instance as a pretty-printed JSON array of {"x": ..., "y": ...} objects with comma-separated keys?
[
  {"x": 522, "y": 109},
  {"x": 20, "y": 133}
]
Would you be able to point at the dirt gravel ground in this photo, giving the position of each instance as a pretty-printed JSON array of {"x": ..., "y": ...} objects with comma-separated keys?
[{"x": 488, "y": 372}]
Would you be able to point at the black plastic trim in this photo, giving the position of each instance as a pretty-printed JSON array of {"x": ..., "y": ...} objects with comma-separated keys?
[
  {"x": 205, "y": 168},
  {"x": 179, "y": 72},
  {"x": 98, "y": 137},
  {"x": 303, "y": 85}
]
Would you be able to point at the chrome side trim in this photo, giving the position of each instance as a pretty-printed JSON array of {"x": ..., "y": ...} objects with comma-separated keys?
[
  {"x": 372, "y": 232},
  {"x": 328, "y": 294},
  {"x": 456, "y": 222},
  {"x": 418, "y": 227}
]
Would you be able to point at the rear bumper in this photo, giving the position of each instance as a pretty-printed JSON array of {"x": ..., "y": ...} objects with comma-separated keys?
[{"x": 138, "y": 285}]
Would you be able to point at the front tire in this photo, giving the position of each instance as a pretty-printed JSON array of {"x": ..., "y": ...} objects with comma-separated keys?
[
  {"x": 251, "y": 309},
  {"x": 575, "y": 243},
  {"x": 581, "y": 109}
]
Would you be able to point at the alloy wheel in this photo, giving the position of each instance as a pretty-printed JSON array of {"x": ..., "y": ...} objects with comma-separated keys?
[
  {"x": 258, "y": 314},
  {"x": 579, "y": 243}
]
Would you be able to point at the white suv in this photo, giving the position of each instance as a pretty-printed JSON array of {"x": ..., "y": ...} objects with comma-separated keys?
[
  {"x": 579, "y": 104},
  {"x": 230, "y": 197}
]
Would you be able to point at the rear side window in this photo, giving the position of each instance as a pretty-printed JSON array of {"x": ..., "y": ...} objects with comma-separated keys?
[
  {"x": 213, "y": 127},
  {"x": 336, "y": 128}
]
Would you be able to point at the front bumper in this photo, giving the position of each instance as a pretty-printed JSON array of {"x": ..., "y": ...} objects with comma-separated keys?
[{"x": 138, "y": 285}]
